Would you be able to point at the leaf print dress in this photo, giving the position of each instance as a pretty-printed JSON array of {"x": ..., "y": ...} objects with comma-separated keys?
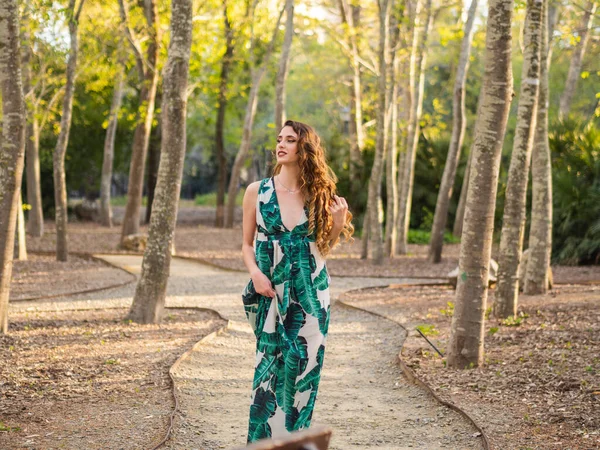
[{"x": 291, "y": 329}]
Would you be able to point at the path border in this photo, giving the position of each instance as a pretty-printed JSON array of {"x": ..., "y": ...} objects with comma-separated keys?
[{"x": 408, "y": 373}]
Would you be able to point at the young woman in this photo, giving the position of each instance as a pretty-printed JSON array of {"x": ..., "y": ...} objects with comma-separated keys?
[{"x": 297, "y": 218}]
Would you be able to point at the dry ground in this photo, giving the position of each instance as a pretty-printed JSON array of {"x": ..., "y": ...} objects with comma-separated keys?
[{"x": 539, "y": 387}]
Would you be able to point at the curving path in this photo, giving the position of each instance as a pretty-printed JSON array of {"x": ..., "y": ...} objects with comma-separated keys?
[{"x": 363, "y": 396}]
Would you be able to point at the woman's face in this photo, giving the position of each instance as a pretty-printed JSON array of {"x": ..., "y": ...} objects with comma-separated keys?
[{"x": 287, "y": 146}]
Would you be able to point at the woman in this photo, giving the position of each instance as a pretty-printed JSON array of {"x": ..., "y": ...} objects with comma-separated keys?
[{"x": 297, "y": 219}]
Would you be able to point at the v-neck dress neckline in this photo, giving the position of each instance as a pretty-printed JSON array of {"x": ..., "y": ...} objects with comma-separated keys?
[{"x": 303, "y": 217}]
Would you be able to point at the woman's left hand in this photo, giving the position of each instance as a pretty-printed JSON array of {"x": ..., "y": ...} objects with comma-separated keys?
[{"x": 339, "y": 210}]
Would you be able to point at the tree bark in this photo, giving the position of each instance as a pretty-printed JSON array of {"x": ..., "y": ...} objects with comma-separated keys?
[
  {"x": 153, "y": 163},
  {"x": 460, "y": 209},
  {"x": 220, "y": 124},
  {"x": 12, "y": 143},
  {"x": 577, "y": 59},
  {"x": 148, "y": 74},
  {"x": 109, "y": 149},
  {"x": 22, "y": 238},
  {"x": 375, "y": 238},
  {"x": 540, "y": 233},
  {"x": 258, "y": 74},
  {"x": 459, "y": 125},
  {"x": 149, "y": 299},
  {"x": 417, "y": 87},
  {"x": 35, "y": 222},
  {"x": 514, "y": 215},
  {"x": 60, "y": 182},
  {"x": 465, "y": 347}
]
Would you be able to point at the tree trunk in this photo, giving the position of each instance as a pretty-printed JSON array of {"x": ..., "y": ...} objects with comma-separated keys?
[
  {"x": 284, "y": 61},
  {"x": 35, "y": 222},
  {"x": 12, "y": 143},
  {"x": 149, "y": 75},
  {"x": 258, "y": 75},
  {"x": 375, "y": 237},
  {"x": 514, "y": 216},
  {"x": 22, "y": 239},
  {"x": 220, "y": 124},
  {"x": 149, "y": 299},
  {"x": 577, "y": 59},
  {"x": 459, "y": 125},
  {"x": 153, "y": 163},
  {"x": 60, "y": 182},
  {"x": 418, "y": 87},
  {"x": 465, "y": 347},
  {"x": 540, "y": 233},
  {"x": 109, "y": 149},
  {"x": 460, "y": 209}
]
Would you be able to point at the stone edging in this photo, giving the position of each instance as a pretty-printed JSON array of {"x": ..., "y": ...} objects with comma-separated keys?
[{"x": 409, "y": 373}]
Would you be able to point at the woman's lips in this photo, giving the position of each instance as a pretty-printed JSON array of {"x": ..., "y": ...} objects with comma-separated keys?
[{"x": 281, "y": 153}]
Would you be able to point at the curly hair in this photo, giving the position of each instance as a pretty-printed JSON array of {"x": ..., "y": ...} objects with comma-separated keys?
[{"x": 318, "y": 185}]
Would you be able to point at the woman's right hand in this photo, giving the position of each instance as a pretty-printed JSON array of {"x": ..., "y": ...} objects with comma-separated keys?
[{"x": 262, "y": 284}]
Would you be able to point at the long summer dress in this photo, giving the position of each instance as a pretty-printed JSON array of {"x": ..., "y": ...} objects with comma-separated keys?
[{"x": 290, "y": 330}]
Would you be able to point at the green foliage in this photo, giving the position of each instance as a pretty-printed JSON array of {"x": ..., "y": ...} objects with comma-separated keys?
[
  {"x": 7, "y": 429},
  {"x": 449, "y": 310},
  {"x": 428, "y": 329},
  {"x": 423, "y": 237},
  {"x": 515, "y": 321},
  {"x": 576, "y": 192}
]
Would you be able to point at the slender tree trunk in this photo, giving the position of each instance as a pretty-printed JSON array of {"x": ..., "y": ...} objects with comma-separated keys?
[
  {"x": 220, "y": 124},
  {"x": 149, "y": 75},
  {"x": 413, "y": 133},
  {"x": 22, "y": 239},
  {"x": 465, "y": 347},
  {"x": 35, "y": 222},
  {"x": 284, "y": 61},
  {"x": 60, "y": 182},
  {"x": 12, "y": 143},
  {"x": 149, "y": 299},
  {"x": 514, "y": 216},
  {"x": 540, "y": 233},
  {"x": 153, "y": 163},
  {"x": 258, "y": 75},
  {"x": 459, "y": 125},
  {"x": 460, "y": 209},
  {"x": 109, "y": 149},
  {"x": 577, "y": 59},
  {"x": 375, "y": 237},
  {"x": 351, "y": 17}
]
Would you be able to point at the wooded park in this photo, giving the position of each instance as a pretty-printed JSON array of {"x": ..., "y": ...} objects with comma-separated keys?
[{"x": 464, "y": 136}]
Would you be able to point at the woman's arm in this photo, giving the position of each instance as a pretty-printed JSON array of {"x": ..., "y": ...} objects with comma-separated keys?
[{"x": 262, "y": 284}]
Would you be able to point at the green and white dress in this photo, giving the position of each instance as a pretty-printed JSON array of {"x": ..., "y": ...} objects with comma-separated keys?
[{"x": 290, "y": 330}]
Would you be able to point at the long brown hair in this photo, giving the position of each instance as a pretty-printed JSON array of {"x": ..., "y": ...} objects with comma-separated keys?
[{"x": 317, "y": 182}]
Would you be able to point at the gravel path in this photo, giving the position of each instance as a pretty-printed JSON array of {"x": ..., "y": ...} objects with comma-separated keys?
[{"x": 363, "y": 396}]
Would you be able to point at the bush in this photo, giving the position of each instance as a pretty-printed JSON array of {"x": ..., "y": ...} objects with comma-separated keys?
[
  {"x": 575, "y": 150},
  {"x": 423, "y": 237},
  {"x": 210, "y": 199}
]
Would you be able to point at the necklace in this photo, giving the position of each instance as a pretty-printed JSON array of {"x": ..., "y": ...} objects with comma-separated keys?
[{"x": 288, "y": 189}]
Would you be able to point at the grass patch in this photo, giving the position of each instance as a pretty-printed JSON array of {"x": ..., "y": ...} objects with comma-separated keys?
[
  {"x": 210, "y": 199},
  {"x": 423, "y": 237},
  {"x": 428, "y": 329},
  {"x": 122, "y": 201}
]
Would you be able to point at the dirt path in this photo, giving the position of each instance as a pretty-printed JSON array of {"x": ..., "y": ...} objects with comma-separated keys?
[{"x": 363, "y": 395}]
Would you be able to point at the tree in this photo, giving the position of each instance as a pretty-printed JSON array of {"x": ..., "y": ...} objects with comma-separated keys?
[
  {"x": 577, "y": 59},
  {"x": 373, "y": 224},
  {"x": 284, "y": 61},
  {"x": 35, "y": 223},
  {"x": 148, "y": 74},
  {"x": 418, "y": 61},
  {"x": 12, "y": 145},
  {"x": 460, "y": 209},
  {"x": 220, "y": 123},
  {"x": 459, "y": 125},
  {"x": 540, "y": 233},
  {"x": 257, "y": 74},
  {"x": 466, "y": 339},
  {"x": 150, "y": 292},
  {"x": 513, "y": 221},
  {"x": 22, "y": 238},
  {"x": 109, "y": 149},
  {"x": 60, "y": 182}
]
